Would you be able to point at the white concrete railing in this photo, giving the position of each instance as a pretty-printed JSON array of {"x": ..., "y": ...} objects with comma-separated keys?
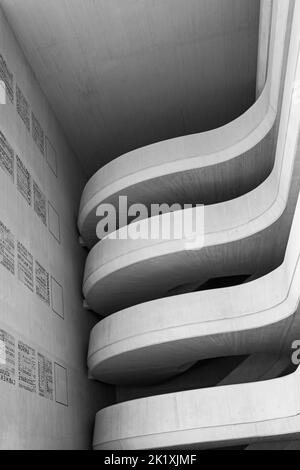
[
  {"x": 156, "y": 339},
  {"x": 193, "y": 152}
]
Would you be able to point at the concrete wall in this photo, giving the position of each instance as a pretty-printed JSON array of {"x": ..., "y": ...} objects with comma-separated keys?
[{"x": 47, "y": 400}]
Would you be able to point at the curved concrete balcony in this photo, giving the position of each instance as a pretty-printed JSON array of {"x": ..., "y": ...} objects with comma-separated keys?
[
  {"x": 244, "y": 235},
  {"x": 155, "y": 340},
  {"x": 202, "y": 418},
  {"x": 216, "y": 371},
  {"x": 204, "y": 168},
  {"x": 219, "y": 372}
]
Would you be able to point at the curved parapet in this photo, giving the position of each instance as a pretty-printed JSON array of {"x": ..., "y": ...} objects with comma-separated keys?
[
  {"x": 217, "y": 416},
  {"x": 163, "y": 322},
  {"x": 155, "y": 340},
  {"x": 189, "y": 168},
  {"x": 124, "y": 272},
  {"x": 216, "y": 372}
]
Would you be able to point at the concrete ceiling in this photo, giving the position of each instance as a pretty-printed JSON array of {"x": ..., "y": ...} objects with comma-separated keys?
[{"x": 121, "y": 74}]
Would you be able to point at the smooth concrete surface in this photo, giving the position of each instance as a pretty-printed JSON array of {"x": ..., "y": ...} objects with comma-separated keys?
[
  {"x": 238, "y": 234},
  {"x": 214, "y": 372},
  {"x": 141, "y": 71},
  {"x": 198, "y": 418},
  {"x": 221, "y": 371},
  {"x": 234, "y": 370},
  {"x": 154, "y": 340},
  {"x": 41, "y": 308},
  {"x": 275, "y": 445},
  {"x": 203, "y": 168},
  {"x": 167, "y": 336}
]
